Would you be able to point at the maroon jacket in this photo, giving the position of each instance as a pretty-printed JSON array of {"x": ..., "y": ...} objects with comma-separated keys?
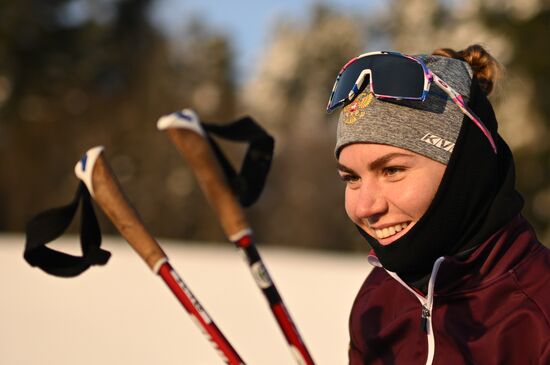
[{"x": 491, "y": 308}]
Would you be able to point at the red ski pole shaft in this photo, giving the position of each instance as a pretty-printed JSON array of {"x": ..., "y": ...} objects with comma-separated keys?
[
  {"x": 186, "y": 133},
  {"x": 104, "y": 187}
]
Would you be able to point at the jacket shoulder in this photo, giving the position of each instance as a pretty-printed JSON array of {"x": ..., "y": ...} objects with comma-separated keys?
[
  {"x": 533, "y": 279},
  {"x": 374, "y": 280}
]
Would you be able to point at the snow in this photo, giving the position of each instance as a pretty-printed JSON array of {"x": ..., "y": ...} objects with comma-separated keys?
[{"x": 124, "y": 314}]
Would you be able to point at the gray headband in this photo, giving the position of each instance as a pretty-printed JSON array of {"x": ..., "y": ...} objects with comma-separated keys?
[{"x": 429, "y": 128}]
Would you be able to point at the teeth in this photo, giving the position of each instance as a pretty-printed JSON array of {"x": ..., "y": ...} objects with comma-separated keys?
[{"x": 390, "y": 231}]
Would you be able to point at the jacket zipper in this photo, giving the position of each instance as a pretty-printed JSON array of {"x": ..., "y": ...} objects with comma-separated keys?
[{"x": 425, "y": 302}]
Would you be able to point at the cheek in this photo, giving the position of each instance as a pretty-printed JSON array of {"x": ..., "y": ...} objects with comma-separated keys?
[
  {"x": 417, "y": 198},
  {"x": 419, "y": 201}
]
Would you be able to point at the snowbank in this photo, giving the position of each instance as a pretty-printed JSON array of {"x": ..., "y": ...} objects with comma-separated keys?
[{"x": 123, "y": 314}]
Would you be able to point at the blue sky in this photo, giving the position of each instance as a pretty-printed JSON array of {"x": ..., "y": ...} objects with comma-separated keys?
[{"x": 247, "y": 22}]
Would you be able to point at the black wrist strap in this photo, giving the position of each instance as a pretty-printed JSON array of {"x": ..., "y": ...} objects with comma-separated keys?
[
  {"x": 249, "y": 182},
  {"x": 50, "y": 224}
]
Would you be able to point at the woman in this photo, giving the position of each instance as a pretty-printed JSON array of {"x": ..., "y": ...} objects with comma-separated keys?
[{"x": 459, "y": 276}]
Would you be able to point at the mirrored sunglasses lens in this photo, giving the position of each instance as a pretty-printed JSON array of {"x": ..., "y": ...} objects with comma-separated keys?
[
  {"x": 349, "y": 77},
  {"x": 399, "y": 77}
]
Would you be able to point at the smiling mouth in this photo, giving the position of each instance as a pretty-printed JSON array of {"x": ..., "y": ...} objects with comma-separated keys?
[{"x": 390, "y": 231}]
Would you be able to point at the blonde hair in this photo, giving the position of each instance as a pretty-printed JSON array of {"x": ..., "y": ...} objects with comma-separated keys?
[{"x": 486, "y": 68}]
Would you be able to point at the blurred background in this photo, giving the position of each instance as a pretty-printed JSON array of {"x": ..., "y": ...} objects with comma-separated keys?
[{"x": 80, "y": 73}]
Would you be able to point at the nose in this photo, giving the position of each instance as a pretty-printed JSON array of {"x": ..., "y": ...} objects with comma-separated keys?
[{"x": 370, "y": 203}]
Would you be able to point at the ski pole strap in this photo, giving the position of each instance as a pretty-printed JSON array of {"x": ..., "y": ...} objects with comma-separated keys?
[
  {"x": 50, "y": 224},
  {"x": 249, "y": 182}
]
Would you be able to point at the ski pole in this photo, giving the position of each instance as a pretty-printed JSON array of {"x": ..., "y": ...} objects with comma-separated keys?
[
  {"x": 186, "y": 132},
  {"x": 102, "y": 184}
]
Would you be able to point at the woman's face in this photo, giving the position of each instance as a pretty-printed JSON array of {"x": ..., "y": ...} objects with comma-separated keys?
[{"x": 388, "y": 189}]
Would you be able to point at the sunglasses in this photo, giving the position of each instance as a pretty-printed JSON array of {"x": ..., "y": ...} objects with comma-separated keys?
[{"x": 394, "y": 76}]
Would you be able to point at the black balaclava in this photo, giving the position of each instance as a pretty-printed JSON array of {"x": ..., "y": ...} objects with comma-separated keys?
[{"x": 476, "y": 197}]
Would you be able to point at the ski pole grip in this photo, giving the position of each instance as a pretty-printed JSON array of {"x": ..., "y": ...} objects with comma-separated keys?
[
  {"x": 105, "y": 188},
  {"x": 187, "y": 135}
]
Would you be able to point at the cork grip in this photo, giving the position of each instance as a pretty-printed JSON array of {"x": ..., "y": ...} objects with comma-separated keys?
[
  {"x": 199, "y": 155},
  {"x": 110, "y": 197}
]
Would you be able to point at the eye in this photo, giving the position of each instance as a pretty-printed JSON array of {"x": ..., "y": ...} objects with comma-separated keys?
[
  {"x": 349, "y": 178},
  {"x": 392, "y": 171}
]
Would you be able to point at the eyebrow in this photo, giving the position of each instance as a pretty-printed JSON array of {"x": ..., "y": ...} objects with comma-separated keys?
[
  {"x": 376, "y": 164},
  {"x": 344, "y": 168}
]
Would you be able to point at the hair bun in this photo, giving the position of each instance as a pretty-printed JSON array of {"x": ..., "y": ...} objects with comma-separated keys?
[{"x": 485, "y": 67}]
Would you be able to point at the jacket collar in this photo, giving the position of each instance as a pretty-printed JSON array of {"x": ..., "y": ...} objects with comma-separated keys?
[{"x": 488, "y": 261}]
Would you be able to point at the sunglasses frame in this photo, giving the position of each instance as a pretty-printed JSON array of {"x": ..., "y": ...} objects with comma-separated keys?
[{"x": 429, "y": 77}]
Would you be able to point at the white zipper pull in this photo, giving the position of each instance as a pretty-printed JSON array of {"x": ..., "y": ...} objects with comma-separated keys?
[{"x": 424, "y": 318}]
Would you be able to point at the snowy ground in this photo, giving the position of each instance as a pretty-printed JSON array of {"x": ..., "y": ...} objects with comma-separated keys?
[{"x": 123, "y": 314}]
